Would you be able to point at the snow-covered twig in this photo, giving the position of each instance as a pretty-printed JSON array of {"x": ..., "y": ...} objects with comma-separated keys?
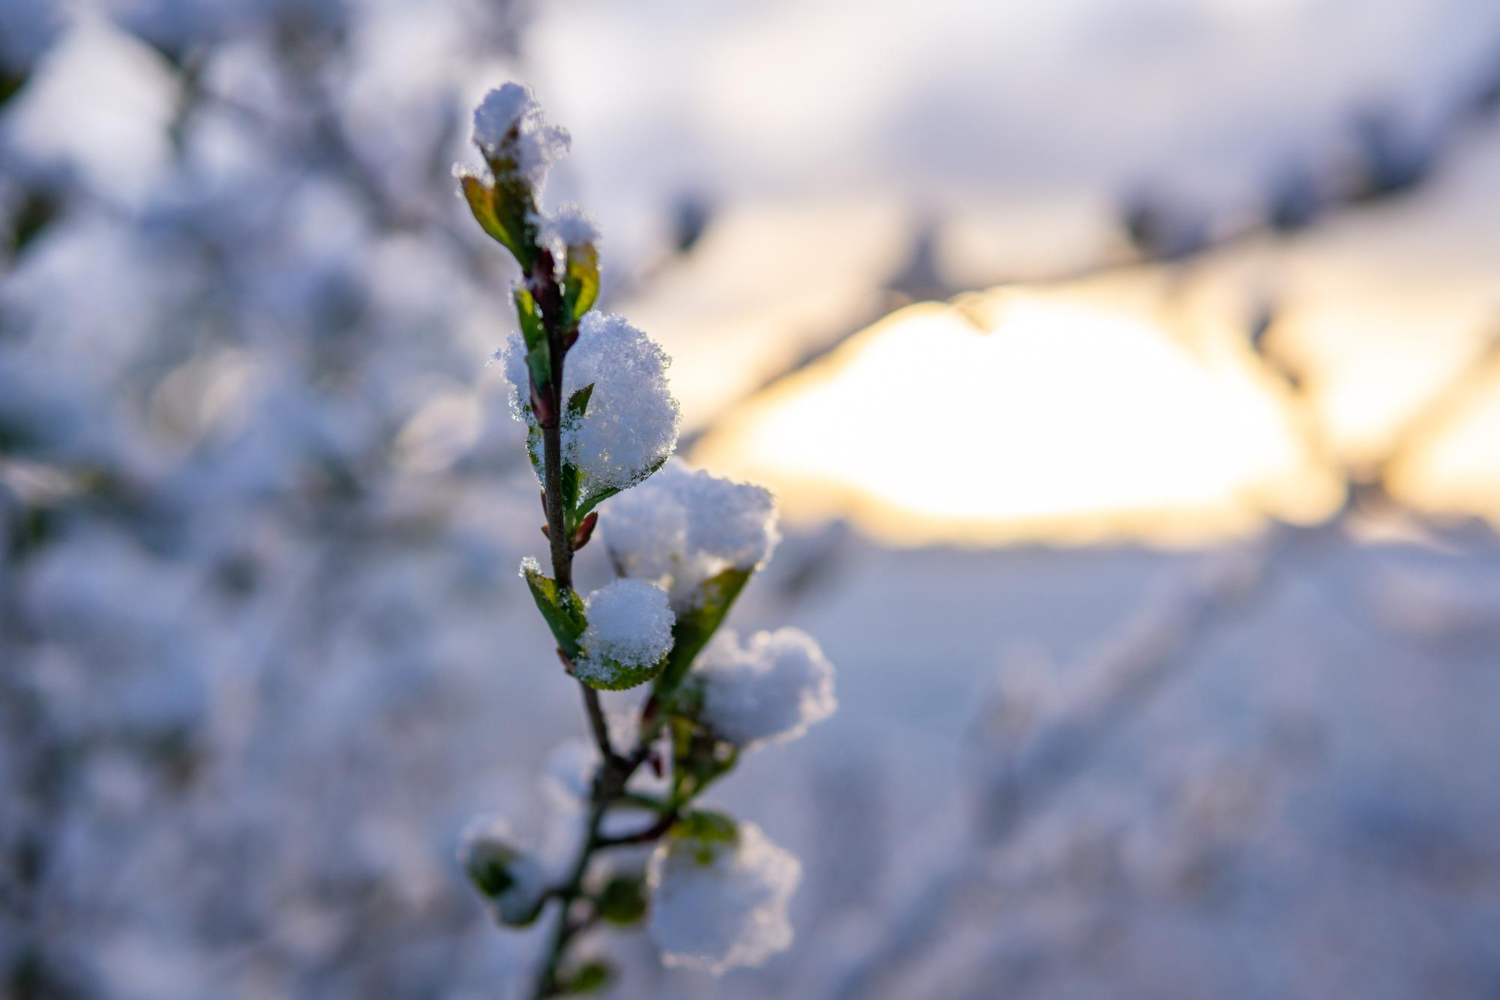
[{"x": 593, "y": 394}]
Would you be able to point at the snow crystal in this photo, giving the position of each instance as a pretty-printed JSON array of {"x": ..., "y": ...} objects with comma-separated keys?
[
  {"x": 632, "y": 420},
  {"x": 571, "y": 226},
  {"x": 630, "y": 625},
  {"x": 685, "y": 525},
  {"x": 768, "y": 690},
  {"x": 487, "y": 855},
  {"x": 509, "y": 123},
  {"x": 716, "y": 904}
]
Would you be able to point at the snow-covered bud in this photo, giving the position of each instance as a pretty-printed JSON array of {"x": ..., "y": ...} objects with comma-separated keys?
[
  {"x": 571, "y": 227},
  {"x": 629, "y": 426},
  {"x": 629, "y": 632},
  {"x": 511, "y": 133},
  {"x": 719, "y": 897},
  {"x": 518, "y": 147},
  {"x": 684, "y": 526},
  {"x": 573, "y": 236},
  {"x": 767, "y": 690},
  {"x": 513, "y": 882}
]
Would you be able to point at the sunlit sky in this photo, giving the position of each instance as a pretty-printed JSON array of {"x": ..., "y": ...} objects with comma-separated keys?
[
  {"x": 1128, "y": 406},
  {"x": 1062, "y": 417},
  {"x": 1133, "y": 406}
]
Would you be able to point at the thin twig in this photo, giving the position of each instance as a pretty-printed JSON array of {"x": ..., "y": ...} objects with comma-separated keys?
[
  {"x": 566, "y": 929},
  {"x": 597, "y": 725},
  {"x": 651, "y": 833},
  {"x": 614, "y": 771}
]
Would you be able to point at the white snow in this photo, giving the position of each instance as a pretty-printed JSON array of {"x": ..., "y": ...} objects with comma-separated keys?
[
  {"x": 729, "y": 911},
  {"x": 96, "y": 108},
  {"x": 509, "y": 123},
  {"x": 684, "y": 525},
  {"x": 632, "y": 419},
  {"x": 571, "y": 226},
  {"x": 499, "y": 112},
  {"x": 630, "y": 626},
  {"x": 766, "y": 690}
]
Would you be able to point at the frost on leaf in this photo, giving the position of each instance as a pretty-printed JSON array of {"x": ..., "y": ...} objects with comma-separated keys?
[
  {"x": 508, "y": 125},
  {"x": 684, "y": 526},
  {"x": 630, "y": 426},
  {"x": 513, "y": 882},
  {"x": 721, "y": 902},
  {"x": 629, "y": 632},
  {"x": 766, "y": 690}
]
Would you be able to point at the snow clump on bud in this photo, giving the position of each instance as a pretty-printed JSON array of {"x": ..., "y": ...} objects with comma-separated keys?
[
  {"x": 570, "y": 226},
  {"x": 631, "y": 423},
  {"x": 719, "y": 903},
  {"x": 508, "y": 125},
  {"x": 513, "y": 882},
  {"x": 767, "y": 690},
  {"x": 629, "y": 631},
  {"x": 686, "y": 525}
]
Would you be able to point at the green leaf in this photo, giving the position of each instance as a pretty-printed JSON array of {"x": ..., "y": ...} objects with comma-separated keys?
[
  {"x": 623, "y": 900},
  {"x": 491, "y": 877},
  {"x": 581, "y": 280},
  {"x": 487, "y": 204},
  {"x": 619, "y": 677},
  {"x": 505, "y": 207},
  {"x": 530, "y": 318},
  {"x": 590, "y": 977},
  {"x": 697, "y": 625},
  {"x": 534, "y": 446},
  {"x": 698, "y": 758},
  {"x": 11, "y": 82},
  {"x": 561, "y": 607},
  {"x": 599, "y": 496},
  {"x": 539, "y": 361},
  {"x": 707, "y": 824},
  {"x": 36, "y": 211},
  {"x": 578, "y": 403},
  {"x": 570, "y": 494},
  {"x": 711, "y": 830},
  {"x": 595, "y": 499}
]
